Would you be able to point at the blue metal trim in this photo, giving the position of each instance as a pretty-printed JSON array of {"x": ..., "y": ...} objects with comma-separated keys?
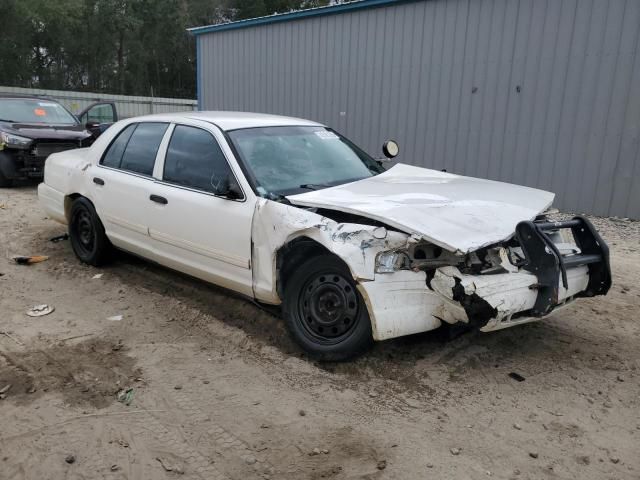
[
  {"x": 285, "y": 17},
  {"x": 198, "y": 75}
]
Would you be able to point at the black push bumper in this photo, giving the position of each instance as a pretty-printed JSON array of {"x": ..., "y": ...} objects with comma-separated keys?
[{"x": 543, "y": 259}]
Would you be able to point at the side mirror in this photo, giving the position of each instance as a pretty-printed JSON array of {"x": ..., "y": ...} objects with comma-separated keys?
[
  {"x": 226, "y": 188},
  {"x": 390, "y": 149}
]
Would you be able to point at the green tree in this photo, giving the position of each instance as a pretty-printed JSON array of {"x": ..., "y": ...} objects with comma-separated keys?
[{"x": 134, "y": 47}]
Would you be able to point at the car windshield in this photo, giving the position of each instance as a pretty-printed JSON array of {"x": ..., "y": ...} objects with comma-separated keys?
[
  {"x": 289, "y": 160},
  {"x": 30, "y": 110}
]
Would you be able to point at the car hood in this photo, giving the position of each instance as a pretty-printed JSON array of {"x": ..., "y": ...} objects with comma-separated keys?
[
  {"x": 460, "y": 214},
  {"x": 46, "y": 132}
]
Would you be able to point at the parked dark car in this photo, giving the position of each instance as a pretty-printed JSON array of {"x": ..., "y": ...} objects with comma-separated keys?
[{"x": 32, "y": 128}]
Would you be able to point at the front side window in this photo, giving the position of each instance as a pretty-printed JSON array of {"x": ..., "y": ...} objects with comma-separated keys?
[
  {"x": 194, "y": 159},
  {"x": 290, "y": 160},
  {"x": 100, "y": 113}
]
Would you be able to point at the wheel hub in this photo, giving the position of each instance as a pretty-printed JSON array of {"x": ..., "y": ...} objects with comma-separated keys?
[
  {"x": 329, "y": 306},
  {"x": 84, "y": 231}
]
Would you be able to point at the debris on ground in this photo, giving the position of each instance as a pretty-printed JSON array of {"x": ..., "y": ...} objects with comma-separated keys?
[
  {"x": 8, "y": 335},
  {"x": 40, "y": 310},
  {"x": 382, "y": 464},
  {"x": 115, "y": 318},
  {"x": 70, "y": 459},
  {"x": 29, "y": 260},
  {"x": 533, "y": 454},
  {"x": 455, "y": 451},
  {"x": 302, "y": 413},
  {"x": 170, "y": 467},
  {"x": 97, "y": 276},
  {"x": 115, "y": 468},
  {"x": 59, "y": 238},
  {"x": 125, "y": 395},
  {"x": 516, "y": 376},
  {"x": 4, "y": 390}
]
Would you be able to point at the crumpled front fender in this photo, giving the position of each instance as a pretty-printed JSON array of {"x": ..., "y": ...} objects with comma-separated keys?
[{"x": 276, "y": 224}]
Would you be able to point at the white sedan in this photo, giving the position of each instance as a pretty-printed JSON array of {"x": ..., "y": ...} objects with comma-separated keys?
[{"x": 289, "y": 212}]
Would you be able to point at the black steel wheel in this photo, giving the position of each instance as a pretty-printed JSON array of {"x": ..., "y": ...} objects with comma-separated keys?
[
  {"x": 87, "y": 235},
  {"x": 324, "y": 310}
]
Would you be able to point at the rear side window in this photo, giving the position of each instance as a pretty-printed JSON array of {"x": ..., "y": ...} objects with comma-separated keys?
[
  {"x": 194, "y": 159},
  {"x": 140, "y": 154},
  {"x": 113, "y": 157}
]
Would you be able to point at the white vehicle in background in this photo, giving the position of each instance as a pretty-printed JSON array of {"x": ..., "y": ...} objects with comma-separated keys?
[{"x": 288, "y": 212}]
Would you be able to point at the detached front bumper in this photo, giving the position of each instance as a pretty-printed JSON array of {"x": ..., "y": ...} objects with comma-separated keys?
[{"x": 404, "y": 303}]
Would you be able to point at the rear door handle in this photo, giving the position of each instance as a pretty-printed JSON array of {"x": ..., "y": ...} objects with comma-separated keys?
[
  {"x": 158, "y": 199},
  {"x": 98, "y": 181}
]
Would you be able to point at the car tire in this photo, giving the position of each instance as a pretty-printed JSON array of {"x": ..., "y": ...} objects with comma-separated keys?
[
  {"x": 324, "y": 312},
  {"x": 5, "y": 163},
  {"x": 86, "y": 233}
]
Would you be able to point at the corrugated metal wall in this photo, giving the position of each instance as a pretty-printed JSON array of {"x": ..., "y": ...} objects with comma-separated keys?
[
  {"x": 544, "y": 93},
  {"x": 127, "y": 106}
]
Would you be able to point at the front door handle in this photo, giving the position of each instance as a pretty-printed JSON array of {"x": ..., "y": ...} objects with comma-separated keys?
[
  {"x": 158, "y": 199},
  {"x": 98, "y": 181}
]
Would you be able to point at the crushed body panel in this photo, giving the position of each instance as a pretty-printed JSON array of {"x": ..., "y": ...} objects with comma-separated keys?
[
  {"x": 276, "y": 224},
  {"x": 458, "y": 213}
]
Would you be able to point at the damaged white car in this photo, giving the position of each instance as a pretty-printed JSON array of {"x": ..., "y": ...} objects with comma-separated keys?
[{"x": 288, "y": 212}]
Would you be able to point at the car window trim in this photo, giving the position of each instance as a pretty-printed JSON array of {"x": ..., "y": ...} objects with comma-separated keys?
[
  {"x": 127, "y": 172},
  {"x": 162, "y": 181}
]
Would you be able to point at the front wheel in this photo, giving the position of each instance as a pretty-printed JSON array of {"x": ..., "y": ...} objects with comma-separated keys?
[
  {"x": 86, "y": 232},
  {"x": 6, "y": 165},
  {"x": 324, "y": 311}
]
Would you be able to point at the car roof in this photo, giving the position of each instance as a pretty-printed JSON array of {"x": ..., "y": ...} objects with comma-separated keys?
[{"x": 233, "y": 120}]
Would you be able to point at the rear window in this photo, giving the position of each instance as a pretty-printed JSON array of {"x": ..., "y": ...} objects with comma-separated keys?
[{"x": 135, "y": 148}]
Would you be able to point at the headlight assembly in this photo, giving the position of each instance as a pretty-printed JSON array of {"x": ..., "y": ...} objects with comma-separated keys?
[
  {"x": 391, "y": 261},
  {"x": 15, "y": 141}
]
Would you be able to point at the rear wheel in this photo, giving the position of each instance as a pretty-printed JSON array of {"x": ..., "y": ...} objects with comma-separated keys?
[
  {"x": 87, "y": 235},
  {"x": 324, "y": 311}
]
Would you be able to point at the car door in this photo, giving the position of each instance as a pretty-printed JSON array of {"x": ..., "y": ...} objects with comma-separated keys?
[
  {"x": 99, "y": 116},
  {"x": 122, "y": 183},
  {"x": 200, "y": 220}
]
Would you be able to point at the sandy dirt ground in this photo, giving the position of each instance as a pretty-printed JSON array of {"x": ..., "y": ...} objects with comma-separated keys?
[{"x": 220, "y": 392}]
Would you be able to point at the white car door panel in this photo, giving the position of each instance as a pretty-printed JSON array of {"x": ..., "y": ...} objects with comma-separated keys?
[
  {"x": 195, "y": 229},
  {"x": 122, "y": 185}
]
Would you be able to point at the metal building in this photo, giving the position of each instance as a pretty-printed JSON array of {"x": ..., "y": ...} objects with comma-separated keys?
[{"x": 544, "y": 93}]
